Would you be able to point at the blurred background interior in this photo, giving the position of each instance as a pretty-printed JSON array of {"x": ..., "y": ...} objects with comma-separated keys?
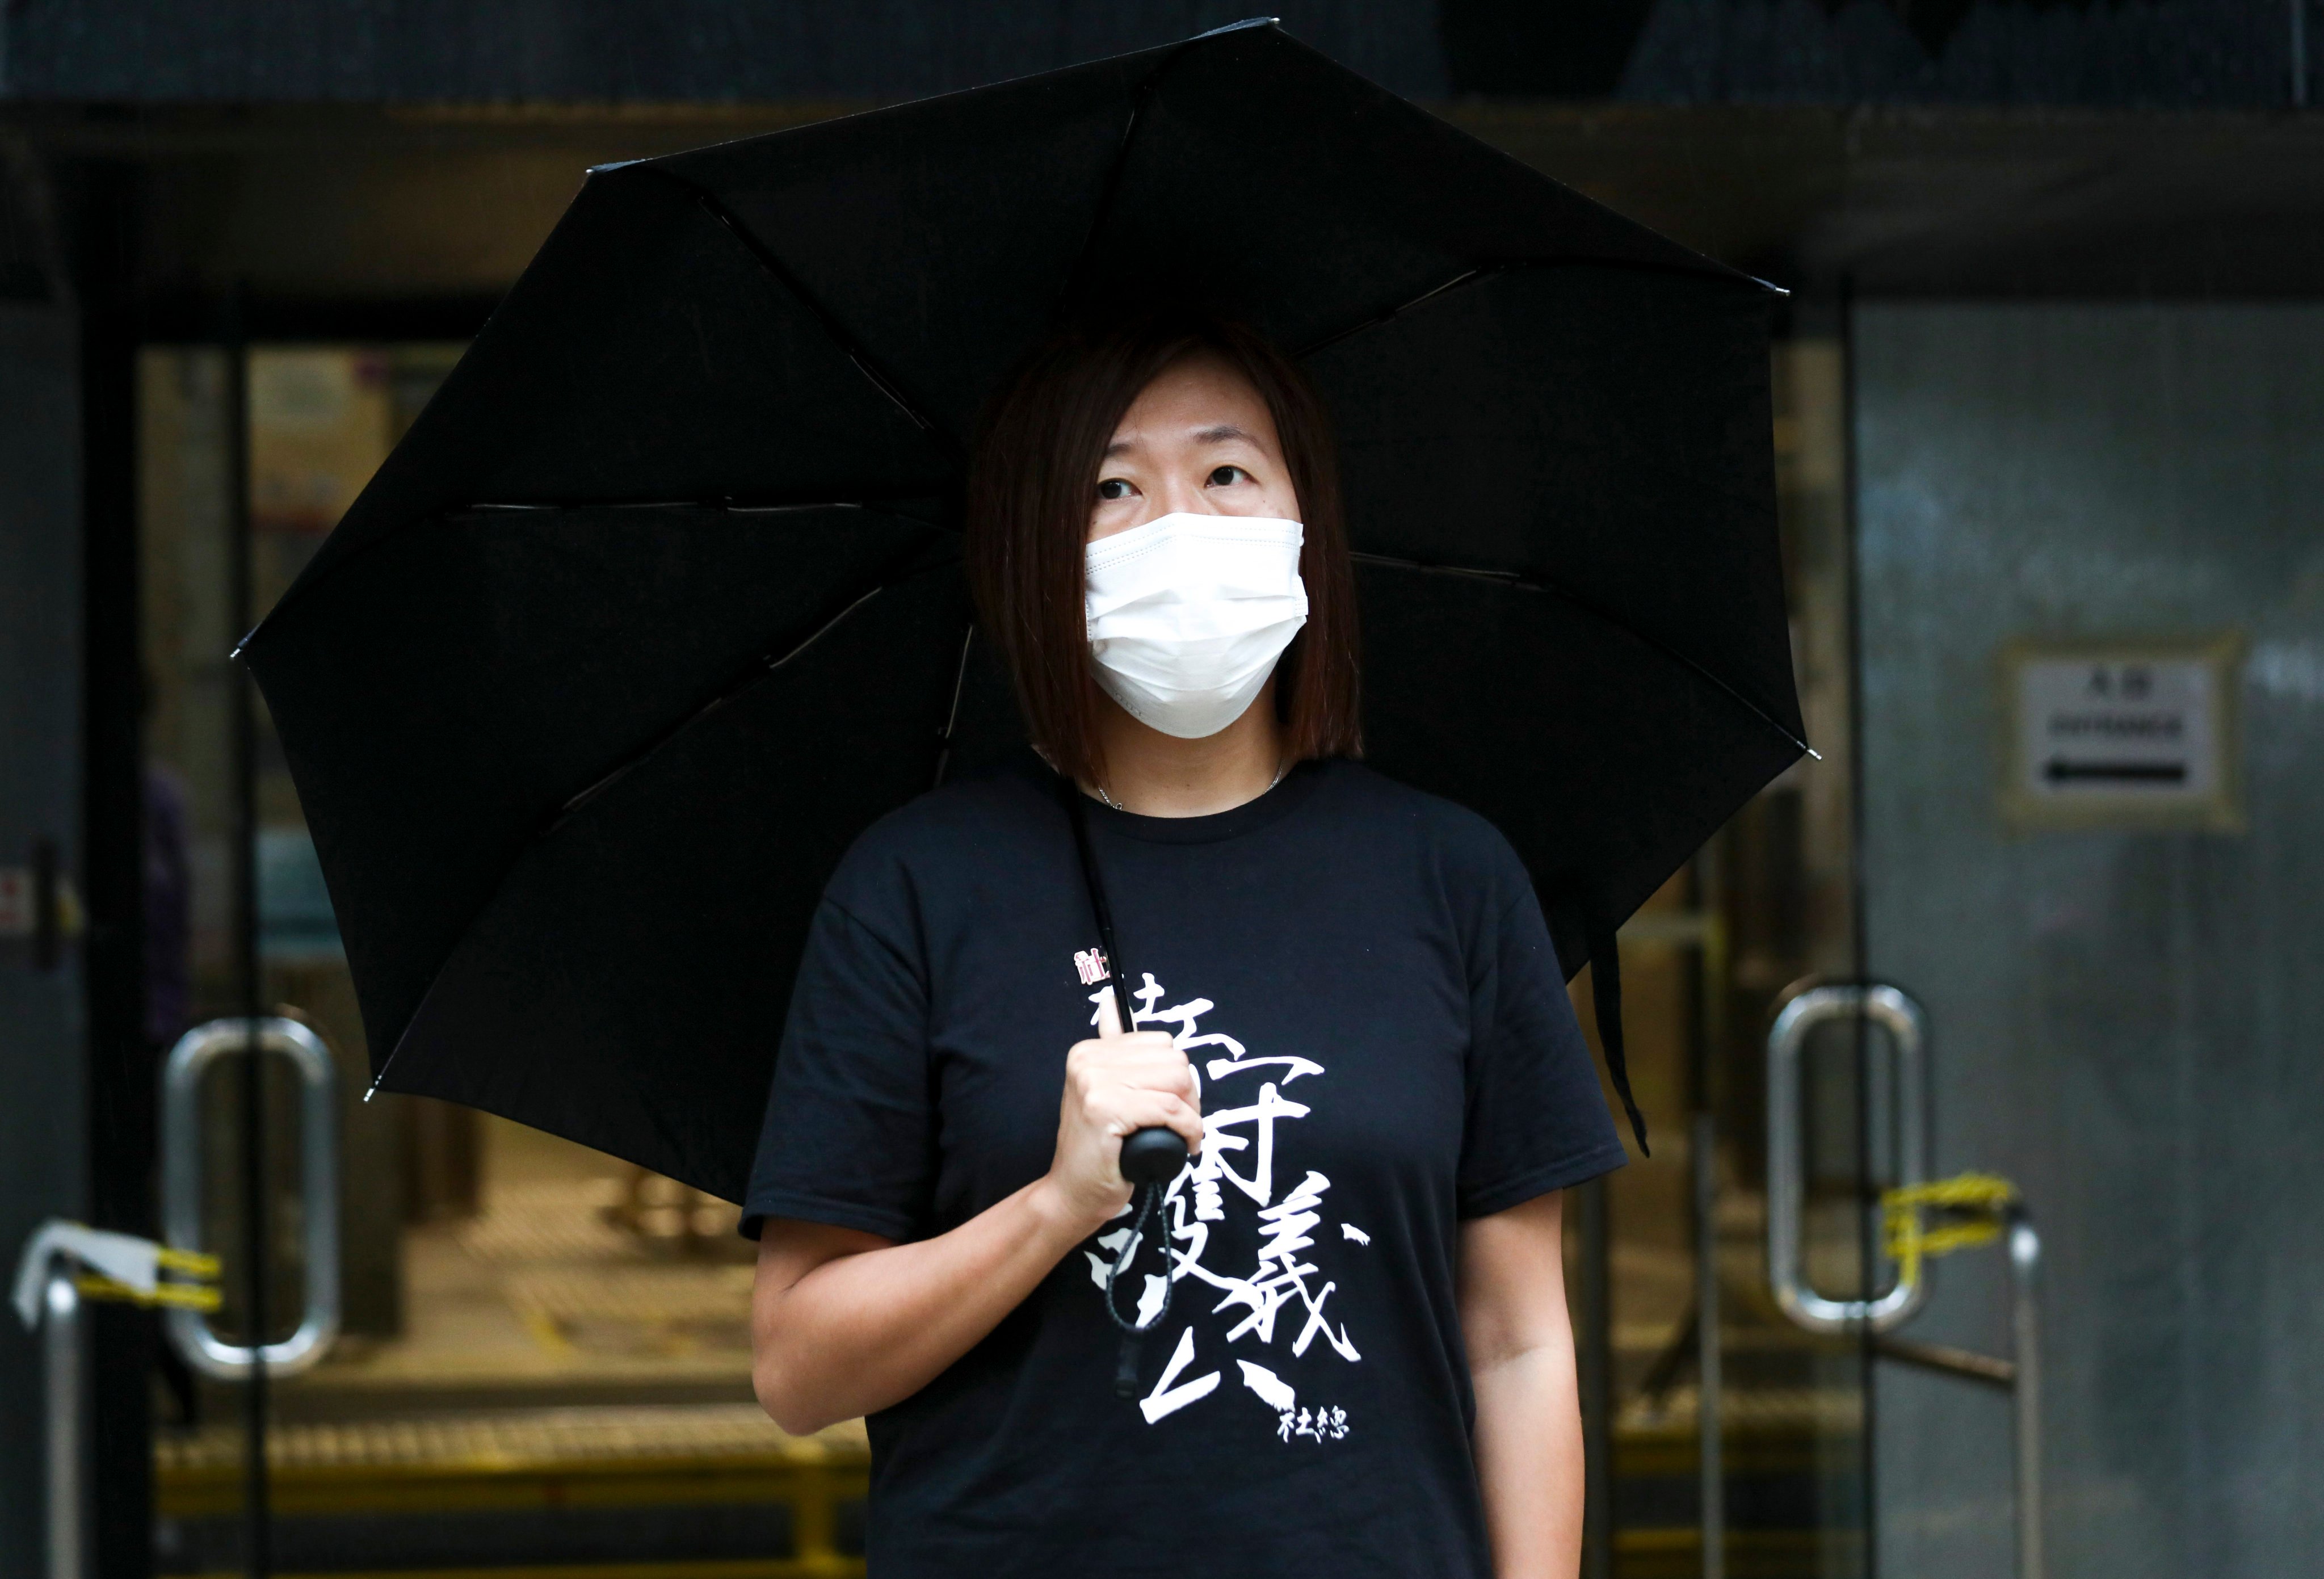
[{"x": 2049, "y": 435}]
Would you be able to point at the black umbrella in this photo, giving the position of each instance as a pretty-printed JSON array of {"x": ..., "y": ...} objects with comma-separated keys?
[{"x": 659, "y": 603}]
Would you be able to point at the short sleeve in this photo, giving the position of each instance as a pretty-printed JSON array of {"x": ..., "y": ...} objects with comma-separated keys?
[
  {"x": 848, "y": 1134},
  {"x": 1536, "y": 1118}
]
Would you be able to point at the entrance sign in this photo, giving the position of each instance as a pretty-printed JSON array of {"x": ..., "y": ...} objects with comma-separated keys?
[{"x": 2121, "y": 734}]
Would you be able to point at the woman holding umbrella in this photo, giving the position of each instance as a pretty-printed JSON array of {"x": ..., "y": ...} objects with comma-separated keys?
[
  {"x": 661, "y": 598},
  {"x": 1345, "y": 1003}
]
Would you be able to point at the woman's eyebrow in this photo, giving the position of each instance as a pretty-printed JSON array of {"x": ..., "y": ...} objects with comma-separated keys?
[{"x": 1224, "y": 433}]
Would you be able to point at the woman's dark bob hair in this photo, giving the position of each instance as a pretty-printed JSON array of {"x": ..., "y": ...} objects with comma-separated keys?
[{"x": 1032, "y": 487}]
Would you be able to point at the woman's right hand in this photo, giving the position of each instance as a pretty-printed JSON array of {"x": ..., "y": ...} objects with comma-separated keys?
[
  {"x": 845, "y": 1323},
  {"x": 1115, "y": 1083}
]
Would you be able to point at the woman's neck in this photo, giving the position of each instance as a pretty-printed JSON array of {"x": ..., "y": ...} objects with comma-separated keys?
[{"x": 1156, "y": 774}]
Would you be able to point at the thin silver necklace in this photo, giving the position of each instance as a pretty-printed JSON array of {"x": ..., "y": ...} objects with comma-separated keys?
[{"x": 1103, "y": 795}]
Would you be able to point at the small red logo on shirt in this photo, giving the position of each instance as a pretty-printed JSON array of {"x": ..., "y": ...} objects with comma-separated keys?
[{"x": 1090, "y": 963}]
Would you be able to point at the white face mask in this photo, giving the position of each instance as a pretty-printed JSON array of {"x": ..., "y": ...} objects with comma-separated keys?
[{"x": 1188, "y": 613}]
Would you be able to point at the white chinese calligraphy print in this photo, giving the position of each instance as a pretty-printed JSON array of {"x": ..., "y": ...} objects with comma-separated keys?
[{"x": 1283, "y": 1303}]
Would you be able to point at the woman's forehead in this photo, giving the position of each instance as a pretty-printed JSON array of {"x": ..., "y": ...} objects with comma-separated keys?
[{"x": 1200, "y": 399}]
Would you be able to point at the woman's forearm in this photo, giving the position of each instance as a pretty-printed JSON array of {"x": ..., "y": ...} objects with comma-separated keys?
[
  {"x": 841, "y": 1330},
  {"x": 1528, "y": 1446},
  {"x": 843, "y": 1322},
  {"x": 1528, "y": 1432}
]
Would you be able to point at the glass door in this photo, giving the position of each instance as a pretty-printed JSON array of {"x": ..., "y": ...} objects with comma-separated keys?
[
  {"x": 543, "y": 1352},
  {"x": 1737, "y": 1442}
]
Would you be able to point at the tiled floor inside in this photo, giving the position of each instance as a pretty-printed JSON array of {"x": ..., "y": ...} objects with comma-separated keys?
[{"x": 580, "y": 1281}]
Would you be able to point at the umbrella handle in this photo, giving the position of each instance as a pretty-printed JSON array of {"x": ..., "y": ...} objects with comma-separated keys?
[{"x": 1153, "y": 1155}]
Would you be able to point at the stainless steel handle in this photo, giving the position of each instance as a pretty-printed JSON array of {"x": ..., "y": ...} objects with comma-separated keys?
[
  {"x": 181, "y": 1187},
  {"x": 1897, "y": 1014}
]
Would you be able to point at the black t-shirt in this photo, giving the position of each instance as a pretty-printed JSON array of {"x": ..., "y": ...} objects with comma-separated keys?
[{"x": 1361, "y": 978}]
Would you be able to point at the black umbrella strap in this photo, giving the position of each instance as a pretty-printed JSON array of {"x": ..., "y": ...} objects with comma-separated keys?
[
  {"x": 1125, "y": 1376},
  {"x": 1077, "y": 813},
  {"x": 1149, "y": 1204},
  {"x": 1606, "y": 999}
]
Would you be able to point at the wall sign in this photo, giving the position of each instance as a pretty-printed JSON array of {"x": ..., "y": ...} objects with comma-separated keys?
[{"x": 2127, "y": 735}]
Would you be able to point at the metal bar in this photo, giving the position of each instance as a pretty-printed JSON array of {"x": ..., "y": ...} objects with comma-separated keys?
[
  {"x": 1965, "y": 1364},
  {"x": 1859, "y": 892},
  {"x": 2299, "y": 52},
  {"x": 1709, "y": 1377},
  {"x": 256, "y": 1266},
  {"x": 181, "y": 1190},
  {"x": 2025, "y": 1337},
  {"x": 1871, "y": 1240},
  {"x": 109, "y": 199},
  {"x": 1897, "y": 1014},
  {"x": 68, "y": 1490}
]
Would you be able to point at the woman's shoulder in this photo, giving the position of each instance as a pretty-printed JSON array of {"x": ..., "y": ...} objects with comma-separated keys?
[
  {"x": 1446, "y": 827},
  {"x": 983, "y": 820},
  {"x": 1370, "y": 794}
]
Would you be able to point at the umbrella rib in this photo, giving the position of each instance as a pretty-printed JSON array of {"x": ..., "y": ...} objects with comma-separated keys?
[
  {"x": 1112, "y": 189},
  {"x": 849, "y": 345},
  {"x": 758, "y": 671},
  {"x": 727, "y": 504},
  {"x": 952, "y": 718},
  {"x": 1465, "y": 277},
  {"x": 1484, "y": 271},
  {"x": 1510, "y": 578},
  {"x": 761, "y": 668}
]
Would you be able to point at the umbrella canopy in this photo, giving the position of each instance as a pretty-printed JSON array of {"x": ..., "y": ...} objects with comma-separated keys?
[{"x": 659, "y": 603}]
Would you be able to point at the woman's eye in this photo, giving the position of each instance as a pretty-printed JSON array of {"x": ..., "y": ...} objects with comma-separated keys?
[
  {"x": 1227, "y": 476},
  {"x": 1113, "y": 488}
]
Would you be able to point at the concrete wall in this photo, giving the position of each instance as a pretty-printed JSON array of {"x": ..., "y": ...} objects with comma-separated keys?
[
  {"x": 2176, "y": 52},
  {"x": 157, "y": 51},
  {"x": 2129, "y": 1024},
  {"x": 2210, "y": 53},
  {"x": 41, "y": 1120}
]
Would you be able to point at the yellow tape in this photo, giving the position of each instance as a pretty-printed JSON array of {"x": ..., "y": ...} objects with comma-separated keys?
[
  {"x": 193, "y": 1263},
  {"x": 185, "y": 1295},
  {"x": 1910, "y": 1241}
]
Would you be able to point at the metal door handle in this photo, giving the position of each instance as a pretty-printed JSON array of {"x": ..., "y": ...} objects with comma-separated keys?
[
  {"x": 1890, "y": 1010},
  {"x": 181, "y": 1187}
]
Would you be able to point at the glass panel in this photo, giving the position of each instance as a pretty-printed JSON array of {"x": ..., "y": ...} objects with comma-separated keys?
[
  {"x": 530, "y": 1300},
  {"x": 188, "y": 528},
  {"x": 321, "y": 418},
  {"x": 1766, "y": 907},
  {"x": 2126, "y": 1007}
]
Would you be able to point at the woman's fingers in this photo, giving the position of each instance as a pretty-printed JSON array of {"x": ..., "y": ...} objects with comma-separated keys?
[
  {"x": 1148, "y": 1110},
  {"x": 1108, "y": 1102},
  {"x": 1126, "y": 1082},
  {"x": 1144, "y": 1058},
  {"x": 1115, "y": 1085}
]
